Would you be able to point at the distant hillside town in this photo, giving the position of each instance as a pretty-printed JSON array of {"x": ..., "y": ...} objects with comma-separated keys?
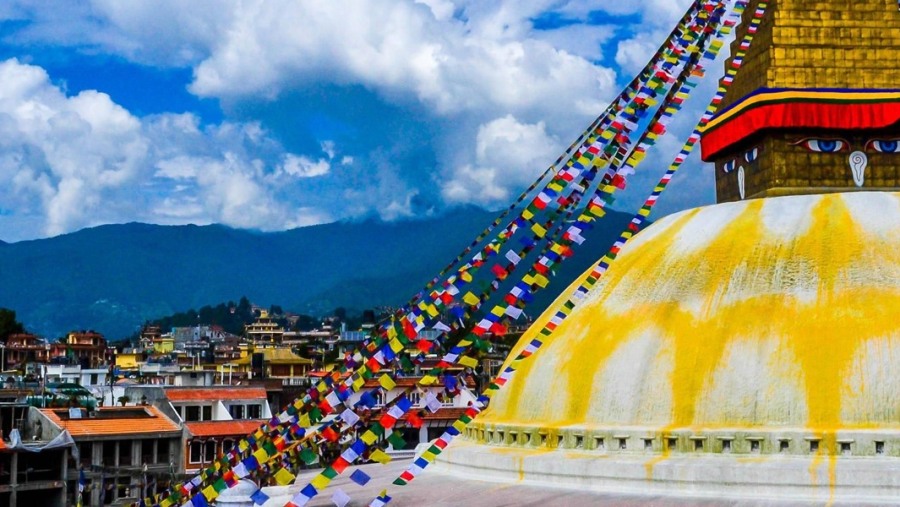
[{"x": 120, "y": 423}]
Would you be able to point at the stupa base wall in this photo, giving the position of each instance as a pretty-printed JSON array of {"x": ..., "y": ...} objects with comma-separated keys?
[{"x": 841, "y": 479}]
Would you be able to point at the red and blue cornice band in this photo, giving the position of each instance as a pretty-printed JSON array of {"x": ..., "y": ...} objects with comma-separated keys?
[{"x": 770, "y": 108}]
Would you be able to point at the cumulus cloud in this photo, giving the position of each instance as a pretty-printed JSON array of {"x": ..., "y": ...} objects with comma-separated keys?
[
  {"x": 76, "y": 161},
  {"x": 508, "y": 155},
  {"x": 488, "y": 100},
  {"x": 304, "y": 167}
]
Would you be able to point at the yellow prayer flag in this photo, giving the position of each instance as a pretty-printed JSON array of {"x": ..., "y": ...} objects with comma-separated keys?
[
  {"x": 429, "y": 456},
  {"x": 471, "y": 299},
  {"x": 369, "y": 437},
  {"x": 304, "y": 421},
  {"x": 243, "y": 445},
  {"x": 528, "y": 279},
  {"x": 166, "y": 503},
  {"x": 527, "y": 215},
  {"x": 210, "y": 493},
  {"x": 427, "y": 380},
  {"x": 320, "y": 482},
  {"x": 459, "y": 425},
  {"x": 432, "y": 311},
  {"x": 498, "y": 310},
  {"x": 468, "y": 361},
  {"x": 358, "y": 383},
  {"x": 261, "y": 455},
  {"x": 387, "y": 382},
  {"x": 396, "y": 346},
  {"x": 556, "y": 186},
  {"x": 380, "y": 456},
  {"x": 284, "y": 477},
  {"x": 538, "y": 230},
  {"x": 541, "y": 280},
  {"x": 466, "y": 276}
]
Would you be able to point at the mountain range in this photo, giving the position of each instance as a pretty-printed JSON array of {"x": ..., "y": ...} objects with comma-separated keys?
[{"x": 113, "y": 278}]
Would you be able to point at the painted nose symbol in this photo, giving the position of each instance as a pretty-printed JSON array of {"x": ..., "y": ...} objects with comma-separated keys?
[{"x": 858, "y": 163}]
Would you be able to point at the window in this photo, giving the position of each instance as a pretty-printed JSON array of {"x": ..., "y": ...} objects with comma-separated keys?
[
  {"x": 784, "y": 445},
  {"x": 813, "y": 446},
  {"x": 162, "y": 451},
  {"x": 623, "y": 443},
  {"x": 254, "y": 411},
  {"x": 207, "y": 413},
  {"x": 726, "y": 446},
  {"x": 879, "y": 448},
  {"x": 147, "y": 451},
  {"x": 125, "y": 453},
  {"x": 648, "y": 444},
  {"x": 196, "y": 449},
  {"x": 754, "y": 446},
  {"x": 236, "y": 411},
  {"x": 209, "y": 451},
  {"x": 672, "y": 443},
  {"x": 192, "y": 413},
  {"x": 93, "y": 379}
]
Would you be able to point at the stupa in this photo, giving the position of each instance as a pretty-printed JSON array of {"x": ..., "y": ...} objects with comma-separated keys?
[{"x": 749, "y": 348}]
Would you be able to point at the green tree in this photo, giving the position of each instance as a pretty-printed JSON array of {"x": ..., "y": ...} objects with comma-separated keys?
[{"x": 8, "y": 324}]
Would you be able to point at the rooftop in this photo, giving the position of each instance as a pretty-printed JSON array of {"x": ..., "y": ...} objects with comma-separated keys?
[
  {"x": 108, "y": 421},
  {"x": 215, "y": 394},
  {"x": 277, "y": 356},
  {"x": 224, "y": 428}
]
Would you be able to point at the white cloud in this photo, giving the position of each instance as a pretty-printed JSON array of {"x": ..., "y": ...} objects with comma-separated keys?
[
  {"x": 500, "y": 97},
  {"x": 71, "y": 162},
  {"x": 509, "y": 155},
  {"x": 304, "y": 167}
]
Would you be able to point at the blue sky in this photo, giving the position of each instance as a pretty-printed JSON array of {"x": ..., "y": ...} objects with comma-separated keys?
[{"x": 279, "y": 114}]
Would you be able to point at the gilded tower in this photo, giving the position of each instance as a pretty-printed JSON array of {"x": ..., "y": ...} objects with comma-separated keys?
[{"x": 816, "y": 106}]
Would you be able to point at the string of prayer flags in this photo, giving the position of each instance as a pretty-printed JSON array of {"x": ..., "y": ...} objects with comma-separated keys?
[
  {"x": 282, "y": 428},
  {"x": 532, "y": 347}
]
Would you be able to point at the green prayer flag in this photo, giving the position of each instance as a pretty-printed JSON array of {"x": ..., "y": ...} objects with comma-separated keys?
[
  {"x": 396, "y": 440},
  {"x": 220, "y": 485},
  {"x": 330, "y": 472},
  {"x": 308, "y": 456}
]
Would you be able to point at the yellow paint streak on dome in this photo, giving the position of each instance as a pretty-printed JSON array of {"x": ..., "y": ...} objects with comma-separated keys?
[
  {"x": 822, "y": 335},
  {"x": 574, "y": 371}
]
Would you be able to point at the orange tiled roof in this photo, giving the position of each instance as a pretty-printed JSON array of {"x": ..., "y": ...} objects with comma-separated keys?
[
  {"x": 443, "y": 414},
  {"x": 2, "y": 445},
  {"x": 216, "y": 394},
  {"x": 224, "y": 428},
  {"x": 109, "y": 424},
  {"x": 404, "y": 382}
]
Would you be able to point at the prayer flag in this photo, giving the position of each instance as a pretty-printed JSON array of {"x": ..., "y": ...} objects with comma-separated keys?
[{"x": 360, "y": 477}]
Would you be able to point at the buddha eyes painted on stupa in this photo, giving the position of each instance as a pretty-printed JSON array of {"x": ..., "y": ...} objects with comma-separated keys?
[
  {"x": 884, "y": 145},
  {"x": 747, "y": 157},
  {"x": 824, "y": 145},
  {"x": 837, "y": 145}
]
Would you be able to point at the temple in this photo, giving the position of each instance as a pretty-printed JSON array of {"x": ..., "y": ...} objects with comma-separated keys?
[
  {"x": 815, "y": 107},
  {"x": 746, "y": 349}
]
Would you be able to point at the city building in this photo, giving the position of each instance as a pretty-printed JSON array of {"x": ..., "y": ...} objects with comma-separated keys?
[{"x": 123, "y": 452}]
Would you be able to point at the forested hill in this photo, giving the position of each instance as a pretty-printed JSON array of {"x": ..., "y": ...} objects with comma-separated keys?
[{"x": 112, "y": 278}]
